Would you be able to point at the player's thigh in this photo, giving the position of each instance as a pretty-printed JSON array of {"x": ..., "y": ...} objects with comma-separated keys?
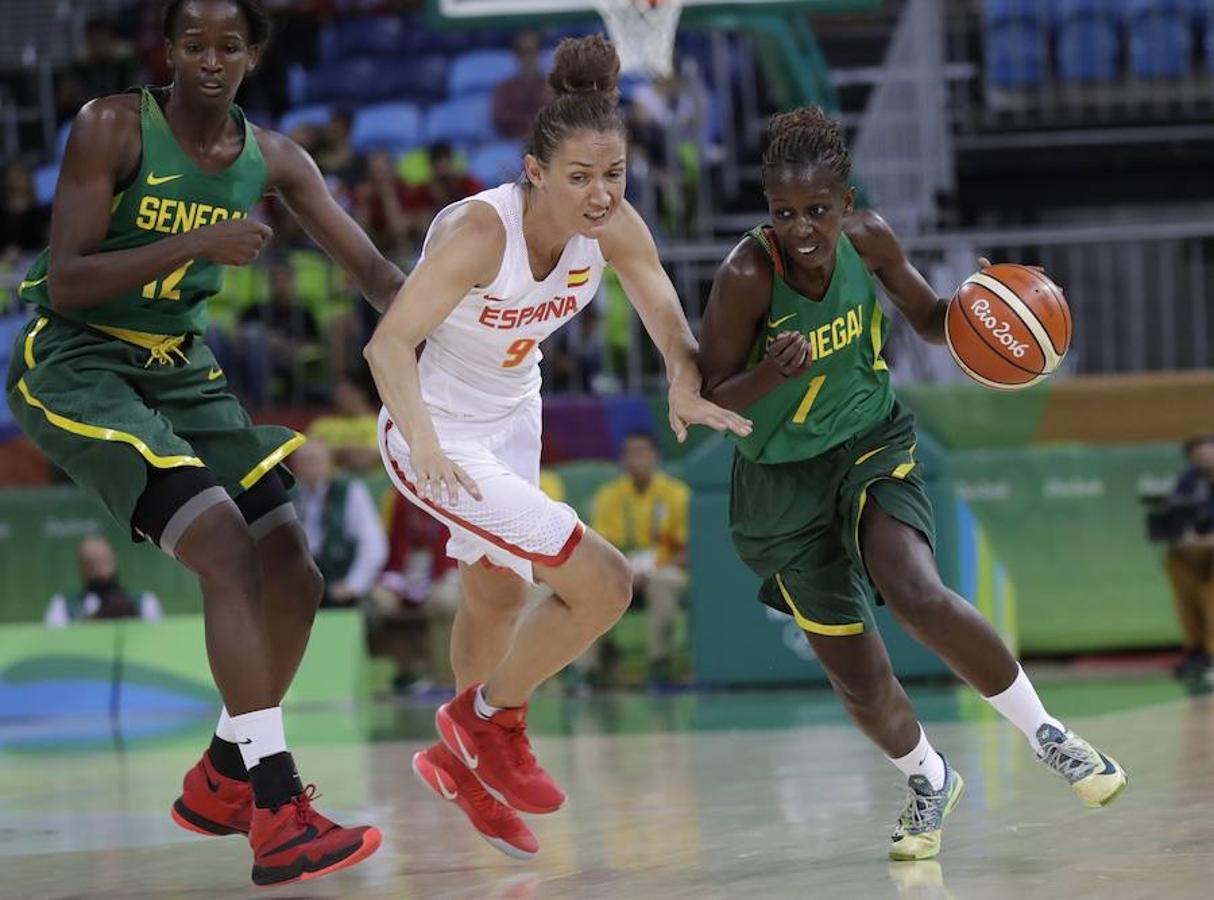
[
  {"x": 491, "y": 590},
  {"x": 514, "y": 525},
  {"x": 858, "y": 665},
  {"x": 595, "y": 573},
  {"x": 74, "y": 395},
  {"x": 202, "y": 411}
]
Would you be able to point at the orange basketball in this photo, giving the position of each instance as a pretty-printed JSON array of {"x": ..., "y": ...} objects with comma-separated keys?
[{"x": 1008, "y": 326}]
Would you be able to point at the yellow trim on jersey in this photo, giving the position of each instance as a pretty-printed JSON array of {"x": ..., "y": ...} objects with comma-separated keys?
[
  {"x": 107, "y": 434},
  {"x": 817, "y": 627},
  {"x": 869, "y": 455},
  {"x": 114, "y": 204},
  {"x": 905, "y": 469},
  {"x": 29, "y": 341},
  {"x": 879, "y": 364},
  {"x": 258, "y": 471},
  {"x": 29, "y": 284}
]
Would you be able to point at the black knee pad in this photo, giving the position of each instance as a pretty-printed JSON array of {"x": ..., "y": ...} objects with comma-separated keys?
[{"x": 171, "y": 500}]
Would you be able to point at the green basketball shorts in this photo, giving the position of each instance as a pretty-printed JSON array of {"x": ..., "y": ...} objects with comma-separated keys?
[
  {"x": 109, "y": 412},
  {"x": 797, "y": 525}
]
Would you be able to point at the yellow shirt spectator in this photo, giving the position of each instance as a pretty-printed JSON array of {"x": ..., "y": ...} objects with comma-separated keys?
[
  {"x": 655, "y": 518},
  {"x": 553, "y": 485}
]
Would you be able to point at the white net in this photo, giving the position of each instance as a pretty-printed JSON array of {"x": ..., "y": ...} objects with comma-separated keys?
[{"x": 643, "y": 33}]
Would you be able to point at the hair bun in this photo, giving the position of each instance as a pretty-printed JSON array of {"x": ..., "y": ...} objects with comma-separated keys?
[{"x": 585, "y": 65}]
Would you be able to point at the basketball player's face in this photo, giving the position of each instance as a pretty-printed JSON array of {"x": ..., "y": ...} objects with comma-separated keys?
[
  {"x": 210, "y": 52},
  {"x": 807, "y": 207},
  {"x": 583, "y": 183}
]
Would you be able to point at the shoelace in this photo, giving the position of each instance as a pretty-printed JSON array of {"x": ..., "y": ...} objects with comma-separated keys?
[
  {"x": 1072, "y": 758},
  {"x": 921, "y": 813},
  {"x": 303, "y": 804}
]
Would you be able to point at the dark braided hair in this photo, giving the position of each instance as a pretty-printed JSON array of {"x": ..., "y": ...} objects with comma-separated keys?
[
  {"x": 803, "y": 138},
  {"x": 585, "y": 77},
  {"x": 254, "y": 12}
]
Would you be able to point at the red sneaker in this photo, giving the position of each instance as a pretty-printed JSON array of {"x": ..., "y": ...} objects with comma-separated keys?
[
  {"x": 295, "y": 843},
  {"x": 498, "y": 753},
  {"x": 439, "y": 770},
  {"x": 213, "y": 804}
]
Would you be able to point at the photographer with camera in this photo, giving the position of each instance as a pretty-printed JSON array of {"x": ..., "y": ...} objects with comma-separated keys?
[{"x": 1185, "y": 521}]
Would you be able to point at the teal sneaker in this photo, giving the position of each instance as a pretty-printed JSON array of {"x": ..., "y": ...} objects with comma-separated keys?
[
  {"x": 1095, "y": 778},
  {"x": 921, "y": 825}
]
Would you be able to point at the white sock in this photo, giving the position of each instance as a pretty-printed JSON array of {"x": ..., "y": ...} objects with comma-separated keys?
[
  {"x": 923, "y": 760},
  {"x": 483, "y": 709},
  {"x": 225, "y": 731},
  {"x": 259, "y": 734},
  {"x": 1021, "y": 706}
]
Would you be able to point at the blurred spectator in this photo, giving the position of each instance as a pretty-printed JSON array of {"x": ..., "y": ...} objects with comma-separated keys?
[
  {"x": 276, "y": 338},
  {"x": 574, "y": 355},
  {"x": 517, "y": 99},
  {"x": 442, "y": 184},
  {"x": 413, "y": 604},
  {"x": 335, "y": 154},
  {"x": 101, "y": 596},
  {"x": 379, "y": 206},
  {"x": 1190, "y": 559},
  {"x": 669, "y": 124},
  {"x": 344, "y": 531},
  {"x": 644, "y": 513},
  {"x": 23, "y": 223},
  {"x": 107, "y": 66},
  {"x": 352, "y": 429}
]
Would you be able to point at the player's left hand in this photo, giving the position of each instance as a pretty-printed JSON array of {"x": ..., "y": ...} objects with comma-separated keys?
[{"x": 687, "y": 407}]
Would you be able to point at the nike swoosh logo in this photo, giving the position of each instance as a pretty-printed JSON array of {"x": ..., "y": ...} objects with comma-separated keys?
[
  {"x": 213, "y": 374},
  {"x": 442, "y": 787},
  {"x": 153, "y": 181},
  {"x": 778, "y": 322},
  {"x": 309, "y": 834},
  {"x": 245, "y": 741},
  {"x": 1109, "y": 768},
  {"x": 471, "y": 761}
]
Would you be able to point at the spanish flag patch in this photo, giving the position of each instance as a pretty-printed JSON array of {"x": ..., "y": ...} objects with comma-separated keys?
[{"x": 578, "y": 277}]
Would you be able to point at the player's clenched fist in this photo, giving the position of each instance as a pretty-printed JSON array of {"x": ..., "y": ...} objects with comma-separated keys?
[{"x": 236, "y": 242}]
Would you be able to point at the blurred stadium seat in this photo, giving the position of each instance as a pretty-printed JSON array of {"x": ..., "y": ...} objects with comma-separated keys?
[
  {"x": 480, "y": 70},
  {"x": 496, "y": 163},
  {"x": 464, "y": 121},
  {"x": 395, "y": 127}
]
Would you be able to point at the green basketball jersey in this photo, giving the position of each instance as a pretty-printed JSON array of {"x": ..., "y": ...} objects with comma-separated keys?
[
  {"x": 846, "y": 388},
  {"x": 168, "y": 195}
]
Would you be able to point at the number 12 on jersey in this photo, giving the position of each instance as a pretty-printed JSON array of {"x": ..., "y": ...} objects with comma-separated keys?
[{"x": 517, "y": 352}]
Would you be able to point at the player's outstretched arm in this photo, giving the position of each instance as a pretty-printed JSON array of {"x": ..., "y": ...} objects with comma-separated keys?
[
  {"x": 294, "y": 176},
  {"x": 629, "y": 248},
  {"x": 739, "y": 299},
  {"x": 878, "y": 246},
  {"x": 465, "y": 251}
]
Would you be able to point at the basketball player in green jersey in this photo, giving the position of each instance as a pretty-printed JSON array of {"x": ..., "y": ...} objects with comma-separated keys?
[
  {"x": 827, "y": 502},
  {"x": 112, "y": 380}
]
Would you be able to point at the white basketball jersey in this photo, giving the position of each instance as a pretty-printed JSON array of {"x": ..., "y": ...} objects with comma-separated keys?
[{"x": 483, "y": 360}]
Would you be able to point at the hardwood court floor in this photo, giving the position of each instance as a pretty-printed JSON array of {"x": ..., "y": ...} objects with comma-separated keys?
[{"x": 707, "y": 796}]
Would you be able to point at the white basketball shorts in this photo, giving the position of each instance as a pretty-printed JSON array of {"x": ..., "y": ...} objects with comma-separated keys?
[{"x": 515, "y": 525}]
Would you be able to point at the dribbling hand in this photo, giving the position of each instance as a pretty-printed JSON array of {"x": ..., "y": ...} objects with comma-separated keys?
[
  {"x": 438, "y": 478},
  {"x": 236, "y": 242}
]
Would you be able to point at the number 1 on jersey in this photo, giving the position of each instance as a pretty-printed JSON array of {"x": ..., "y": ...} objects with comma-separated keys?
[
  {"x": 517, "y": 352},
  {"x": 807, "y": 403}
]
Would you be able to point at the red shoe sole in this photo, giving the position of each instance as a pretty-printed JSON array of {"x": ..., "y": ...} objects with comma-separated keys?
[
  {"x": 495, "y": 842},
  {"x": 371, "y": 841},
  {"x": 454, "y": 737}
]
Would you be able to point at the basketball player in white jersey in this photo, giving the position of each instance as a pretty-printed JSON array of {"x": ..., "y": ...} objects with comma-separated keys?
[{"x": 460, "y": 430}]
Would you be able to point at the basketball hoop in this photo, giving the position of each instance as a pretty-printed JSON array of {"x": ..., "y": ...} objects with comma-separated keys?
[{"x": 643, "y": 33}]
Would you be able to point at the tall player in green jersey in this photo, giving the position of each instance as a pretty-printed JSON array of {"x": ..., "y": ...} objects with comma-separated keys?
[
  {"x": 112, "y": 380},
  {"x": 827, "y": 503}
]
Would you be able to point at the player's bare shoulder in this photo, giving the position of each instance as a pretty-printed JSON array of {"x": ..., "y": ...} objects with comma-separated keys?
[
  {"x": 474, "y": 233},
  {"x": 110, "y": 125},
  {"x": 746, "y": 274},
  {"x": 872, "y": 237}
]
